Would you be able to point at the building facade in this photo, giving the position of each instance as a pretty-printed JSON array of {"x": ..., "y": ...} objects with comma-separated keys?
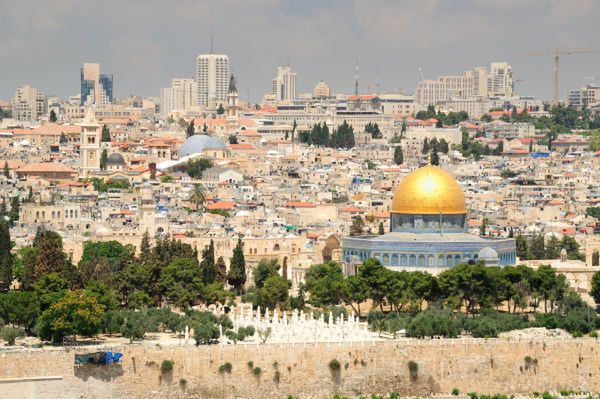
[
  {"x": 181, "y": 96},
  {"x": 212, "y": 78},
  {"x": 284, "y": 85},
  {"x": 96, "y": 88},
  {"x": 29, "y": 104}
]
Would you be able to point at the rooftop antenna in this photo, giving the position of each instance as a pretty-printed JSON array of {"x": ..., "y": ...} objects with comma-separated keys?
[
  {"x": 421, "y": 72},
  {"x": 377, "y": 82},
  {"x": 356, "y": 75},
  {"x": 211, "y": 39}
]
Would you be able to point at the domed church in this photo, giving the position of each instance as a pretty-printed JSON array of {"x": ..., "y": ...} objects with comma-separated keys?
[{"x": 428, "y": 230}]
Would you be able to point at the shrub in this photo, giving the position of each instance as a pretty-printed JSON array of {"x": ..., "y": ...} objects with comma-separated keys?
[
  {"x": 256, "y": 371},
  {"x": 225, "y": 368},
  {"x": 250, "y": 365},
  {"x": 276, "y": 377},
  {"x": 334, "y": 365},
  {"x": 455, "y": 392},
  {"x": 183, "y": 383},
  {"x": 413, "y": 369},
  {"x": 166, "y": 366}
]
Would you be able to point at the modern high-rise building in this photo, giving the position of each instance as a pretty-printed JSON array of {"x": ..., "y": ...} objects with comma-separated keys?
[
  {"x": 212, "y": 79},
  {"x": 321, "y": 90},
  {"x": 284, "y": 85},
  {"x": 29, "y": 104},
  {"x": 96, "y": 88},
  {"x": 500, "y": 81},
  {"x": 182, "y": 95}
]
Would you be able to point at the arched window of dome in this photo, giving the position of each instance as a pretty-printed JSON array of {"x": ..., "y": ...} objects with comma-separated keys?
[
  {"x": 440, "y": 262},
  {"x": 386, "y": 259},
  {"x": 412, "y": 260},
  {"x": 421, "y": 260},
  {"x": 449, "y": 261},
  {"x": 403, "y": 260},
  {"x": 457, "y": 260},
  {"x": 394, "y": 260},
  {"x": 431, "y": 261}
]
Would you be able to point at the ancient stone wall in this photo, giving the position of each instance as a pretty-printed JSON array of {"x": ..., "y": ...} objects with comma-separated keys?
[{"x": 484, "y": 366}]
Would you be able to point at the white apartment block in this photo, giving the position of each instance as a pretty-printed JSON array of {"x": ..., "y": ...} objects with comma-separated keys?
[
  {"x": 212, "y": 79},
  {"x": 477, "y": 82},
  {"x": 181, "y": 96},
  {"x": 398, "y": 104},
  {"x": 29, "y": 104},
  {"x": 585, "y": 97},
  {"x": 284, "y": 85}
]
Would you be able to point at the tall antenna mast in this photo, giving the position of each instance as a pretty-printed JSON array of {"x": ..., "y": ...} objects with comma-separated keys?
[
  {"x": 356, "y": 75},
  {"x": 211, "y": 39}
]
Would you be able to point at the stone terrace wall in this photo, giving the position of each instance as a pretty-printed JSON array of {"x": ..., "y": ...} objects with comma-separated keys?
[{"x": 484, "y": 366}]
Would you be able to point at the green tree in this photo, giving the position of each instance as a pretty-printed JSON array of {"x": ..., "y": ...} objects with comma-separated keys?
[
  {"x": 20, "y": 308},
  {"x": 593, "y": 212},
  {"x": 595, "y": 291},
  {"x": 265, "y": 269},
  {"x": 398, "y": 155},
  {"x": 325, "y": 282},
  {"x": 466, "y": 286},
  {"x": 196, "y": 166},
  {"x": 221, "y": 270},
  {"x": 6, "y": 171},
  {"x": 103, "y": 260},
  {"x": 190, "y": 130},
  {"x": 181, "y": 282},
  {"x": 376, "y": 278},
  {"x": 552, "y": 248},
  {"x": 274, "y": 292},
  {"x": 572, "y": 247},
  {"x": 78, "y": 313},
  {"x": 537, "y": 246},
  {"x": 15, "y": 206},
  {"x": 435, "y": 158},
  {"x": 50, "y": 257},
  {"x": 355, "y": 292},
  {"x": 103, "y": 159},
  {"x": 294, "y": 127},
  {"x": 381, "y": 230},
  {"x": 6, "y": 258},
  {"x": 145, "y": 247},
  {"x": 105, "y": 136},
  {"x": 208, "y": 269},
  {"x": 237, "y": 268},
  {"x": 483, "y": 227},
  {"x": 133, "y": 326},
  {"x": 220, "y": 110},
  {"x": 197, "y": 195},
  {"x": 233, "y": 139},
  {"x": 52, "y": 118},
  {"x": 596, "y": 258},
  {"x": 357, "y": 227}
]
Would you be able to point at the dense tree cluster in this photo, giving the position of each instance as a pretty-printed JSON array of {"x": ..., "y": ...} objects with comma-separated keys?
[
  {"x": 110, "y": 288},
  {"x": 537, "y": 247},
  {"x": 373, "y": 130},
  {"x": 195, "y": 167},
  {"x": 444, "y": 119},
  {"x": 342, "y": 137}
]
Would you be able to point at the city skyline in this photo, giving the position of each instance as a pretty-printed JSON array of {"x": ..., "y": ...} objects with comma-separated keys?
[{"x": 320, "y": 41}]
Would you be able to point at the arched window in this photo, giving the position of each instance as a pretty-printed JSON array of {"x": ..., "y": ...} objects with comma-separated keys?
[
  {"x": 431, "y": 261},
  {"x": 37, "y": 214},
  {"x": 457, "y": 260},
  {"x": 403, "y": 260},
  {"x": 412, "y": 261},
  {"x": 386, "y": 259},
  {"x": 394, "y": 260},
  {"x": 276, "y": 248},
  {"x": 44, "y": 215},
  {"x": 53, "y": 214},
  {"x": 440, "y": 262},
  {"x": 421, "y": 260},
  {"x": 449, "y": 261}
]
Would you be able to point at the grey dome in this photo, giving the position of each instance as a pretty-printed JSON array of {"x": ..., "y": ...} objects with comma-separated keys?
[
  {"x": 487, "y": 253},
  {"x": 198, "y": 142},
  {"x": 115, "y": 159}
]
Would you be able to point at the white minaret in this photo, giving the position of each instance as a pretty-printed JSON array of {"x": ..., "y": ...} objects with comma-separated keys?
[
  {"x": 90, "y": 146},
  {"x": 232, "y": 106}
]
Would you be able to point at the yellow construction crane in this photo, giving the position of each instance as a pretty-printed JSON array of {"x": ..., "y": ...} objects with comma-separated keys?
[{"x": 557, "y": 55}]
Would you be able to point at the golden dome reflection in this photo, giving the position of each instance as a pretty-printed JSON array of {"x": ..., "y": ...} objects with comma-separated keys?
[{"x": 429, "y": 190}]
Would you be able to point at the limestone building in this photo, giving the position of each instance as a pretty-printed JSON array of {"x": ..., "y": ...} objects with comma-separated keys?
[{"x": 90, "y": 148}]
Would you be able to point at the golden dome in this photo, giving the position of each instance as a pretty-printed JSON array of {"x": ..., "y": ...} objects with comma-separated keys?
[{"x": 429, "y": 190}]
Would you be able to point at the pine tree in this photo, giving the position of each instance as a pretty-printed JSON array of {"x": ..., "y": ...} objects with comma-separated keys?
[
  {"x": 237, "y": 268},
  {"x": 284, "y": 267},
  {"x": 63, "y": 140},
  {"x": 105, "y": 135},
  {"x": 6, "y": 171},
  {"x": 381, "y": 229},
  {"x": 190, "y": 130},
  {"x": 398, "y": 155},
  {"x": 220, "y": 110},
  {"x": 483, "y": 227},
  {"x": 358, "y": 226},
  {"x": 294, "y": 127},
  {"x": 52, "y": 118},
  {"x": 30, "y": 195},
  {"x": 221, "y": 270},
  {"x": 103, "y": 159},
  {"x": 511, "y": 233},
  {"x": 6, "y": 258},
  {"x": 531, "y": 146},
  {"x": 403, "y": 129}
]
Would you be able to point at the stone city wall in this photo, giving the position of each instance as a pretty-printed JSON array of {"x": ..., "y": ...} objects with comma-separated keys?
[{"x": 302, "y": 370}]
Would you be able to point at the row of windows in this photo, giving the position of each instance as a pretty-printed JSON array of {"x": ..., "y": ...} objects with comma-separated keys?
[
  {"x": 425, "y": 260},
  {"x": 69, "y": 213}
]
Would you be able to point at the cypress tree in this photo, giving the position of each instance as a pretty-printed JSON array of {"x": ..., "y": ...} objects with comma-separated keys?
[
  {"x": 50, "y": 258},
  {"x": 221, "y": 270},
  {"x": 6, "y": 172},
  {"x": 6, "y": 258},
  {"x": 145, "y": 247},
  {"x": 103, "y": 159},
  {"x": 207, "y": 266},
  {"x": 237, "y": 268},
  {"x": 190, "y": 130},
  {"x": 105, "y": 138},
  {"x": 398, "y": 155}
]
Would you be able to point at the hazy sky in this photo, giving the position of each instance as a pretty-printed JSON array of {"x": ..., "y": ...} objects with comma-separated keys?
[{"x": 145, "y": 43}]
